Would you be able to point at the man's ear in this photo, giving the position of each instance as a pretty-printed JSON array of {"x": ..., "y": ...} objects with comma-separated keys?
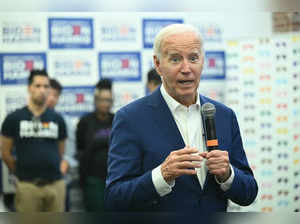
[{"x": 157, "y": 64}]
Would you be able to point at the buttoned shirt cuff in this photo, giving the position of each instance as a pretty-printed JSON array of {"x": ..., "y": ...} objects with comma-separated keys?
[
  {"x": 227, "y": 184},
  {"x": 161, "y": 186}
]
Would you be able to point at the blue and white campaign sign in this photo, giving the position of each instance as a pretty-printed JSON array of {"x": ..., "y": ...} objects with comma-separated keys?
[
  {"x": 125, "y": 93},
  {"x": 152, "y": 26},
  {"x": 118, "y": 32},
  {"x": 20, "y": 32},
  {"x": 14, "y": 98},
  {"x": 147, "y": 61},
  {"x": 210, "y": 32},
  {"x": 76, "y": 101},
  {"x": 214, "y": 65},
  {"x": 73, "y": 68},
  {"x": 120, "y": 66},
  {"x": 70, "y": 33},
  {"x": 15, "y": 67}
]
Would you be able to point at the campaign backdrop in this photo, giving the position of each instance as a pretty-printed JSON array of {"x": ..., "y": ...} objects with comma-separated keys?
[{"x": 246, "y": 67}]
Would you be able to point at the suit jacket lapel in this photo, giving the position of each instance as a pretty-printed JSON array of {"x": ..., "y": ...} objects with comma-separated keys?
[{"x": 165, "y": 120}]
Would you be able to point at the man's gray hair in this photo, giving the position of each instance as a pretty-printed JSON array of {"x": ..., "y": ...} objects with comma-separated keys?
[{"x": 174, "y": 29}]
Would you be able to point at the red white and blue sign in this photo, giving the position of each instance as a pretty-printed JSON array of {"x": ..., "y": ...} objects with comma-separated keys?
[
  {"x": 15, "y": 67},
  {"x": 120, "y": 66},
  {"x": 211, "y": 33},
  {"x": 19, "y": 33},
  {"x": 76, "y": 101},
  {"x": 14, "y": 99},
  {"x": 152, "y": 26},
  {"x": 72, "y": 67},
  {"x": 118, "y": 32},
  {"x": 71, "y": 33},
  {"x": 214, "y": 65}
]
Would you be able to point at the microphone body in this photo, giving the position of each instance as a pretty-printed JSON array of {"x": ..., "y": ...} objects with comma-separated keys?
[{"x": 208, "y": 111}]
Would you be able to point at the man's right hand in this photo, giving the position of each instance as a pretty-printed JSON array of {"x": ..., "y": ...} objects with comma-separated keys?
[{"x": 181, "y": 162}]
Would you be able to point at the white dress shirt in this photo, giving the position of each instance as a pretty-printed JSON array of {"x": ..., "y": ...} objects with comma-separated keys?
[{"x": 189, "y": 123}]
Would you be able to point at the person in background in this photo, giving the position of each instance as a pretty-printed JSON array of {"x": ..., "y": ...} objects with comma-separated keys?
[
  {"x": 54, "y": 93},
  {"x": 52, "y": 100},
  {"x": 153, "y": 80},
  {"x": 69, "y": 162},
  {"x": 38, "y": 135},
  {"x": 92, "y": 140},
  {"x": 157, "y": 160}
]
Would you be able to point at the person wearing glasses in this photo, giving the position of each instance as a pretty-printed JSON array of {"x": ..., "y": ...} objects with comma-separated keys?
[
  {"x": 92, "y": 140},
  {"x": 37, "y": 133}
]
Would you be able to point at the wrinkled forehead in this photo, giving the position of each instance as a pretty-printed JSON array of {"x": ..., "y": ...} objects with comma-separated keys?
[{"x": 183, "y": 42}]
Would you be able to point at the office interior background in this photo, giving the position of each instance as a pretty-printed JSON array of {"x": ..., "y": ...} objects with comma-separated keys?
[{"x": 252, "y": 64}]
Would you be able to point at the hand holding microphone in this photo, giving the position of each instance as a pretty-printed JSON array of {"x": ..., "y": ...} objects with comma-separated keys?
[{"x": 217, "y": 160}]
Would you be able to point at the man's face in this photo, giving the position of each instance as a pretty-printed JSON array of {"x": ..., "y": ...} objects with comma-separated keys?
[
  {"x": 180, "y": 66},
  {"x": 39, "y": 90},
  {"x": 53, "y": 98},
  {"x": 103, "y": 100}
]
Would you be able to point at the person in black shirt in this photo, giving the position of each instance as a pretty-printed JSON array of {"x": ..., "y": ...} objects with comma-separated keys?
[
  {"x": 92, "y": 143},
  {"x": 38, "y": 135}
]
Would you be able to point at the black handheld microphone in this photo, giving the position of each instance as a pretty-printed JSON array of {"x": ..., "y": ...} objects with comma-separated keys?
[{"x": 208, "y": 111}]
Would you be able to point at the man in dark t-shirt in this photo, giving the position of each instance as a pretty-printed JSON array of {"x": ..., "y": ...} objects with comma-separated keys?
[{"x": 38, "y": 135}]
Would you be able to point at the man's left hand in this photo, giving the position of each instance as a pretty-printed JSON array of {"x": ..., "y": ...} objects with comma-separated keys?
[{"x": 217, "y": 162}]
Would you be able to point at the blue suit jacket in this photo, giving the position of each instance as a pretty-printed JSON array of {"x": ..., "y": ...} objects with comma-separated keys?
[{"x": 143, "y": 135}]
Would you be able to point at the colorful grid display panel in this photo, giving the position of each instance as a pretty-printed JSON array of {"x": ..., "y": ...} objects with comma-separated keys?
[{"x": 263, "y": 87}]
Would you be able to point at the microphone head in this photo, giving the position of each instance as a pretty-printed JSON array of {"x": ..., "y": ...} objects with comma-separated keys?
[{"x": 208, "y": 110}]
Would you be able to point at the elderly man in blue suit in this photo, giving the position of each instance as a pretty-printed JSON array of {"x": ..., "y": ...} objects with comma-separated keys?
[{"x": 158, "y": 159}]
